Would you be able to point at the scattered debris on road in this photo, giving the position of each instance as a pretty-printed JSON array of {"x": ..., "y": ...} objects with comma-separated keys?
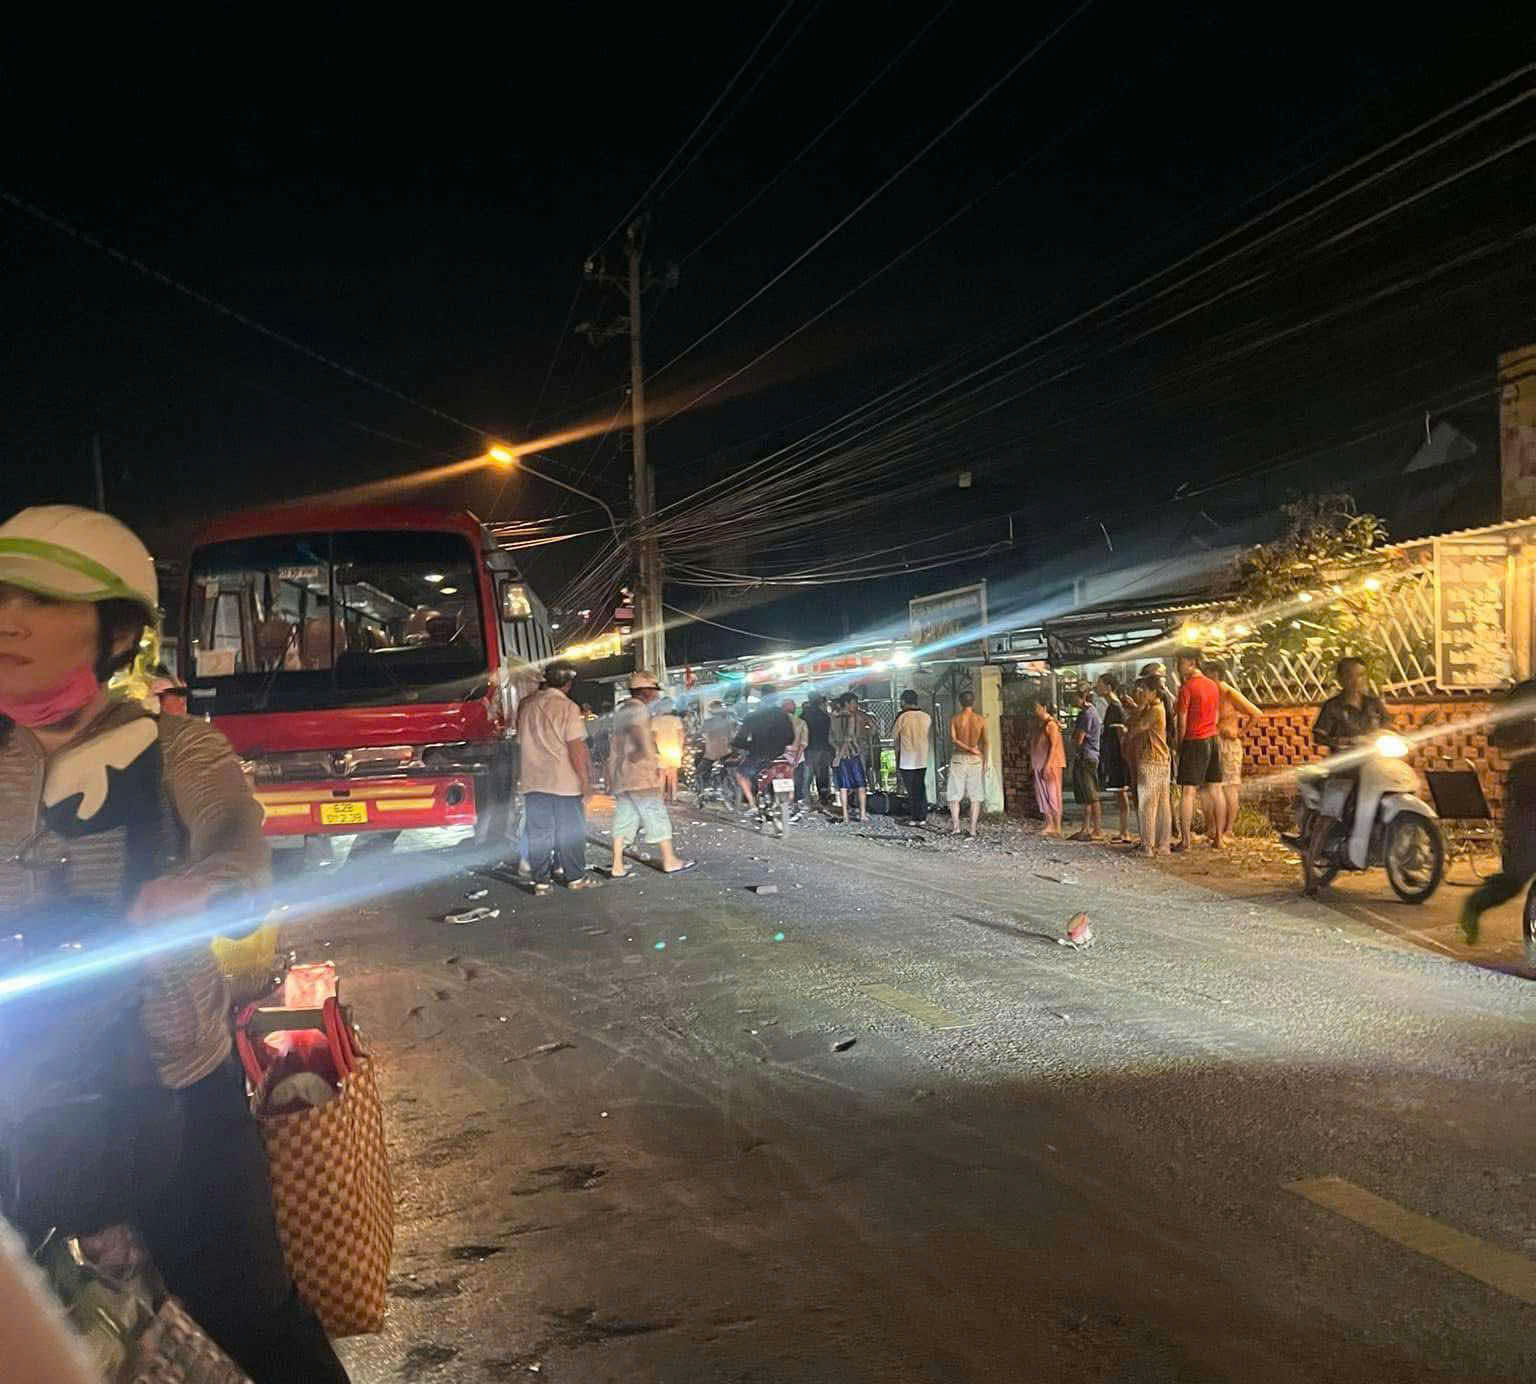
[
  {"x": 477, "y": 893},
  {"x": 1055, "y": 878},
  {"x": 764, "y": 888},
  {"x": 543, "y": 1050},
  {"x": 1079, "y": 933},
  {"x": 472, "y": 915},
  {"x": 843, "y": 1044}
]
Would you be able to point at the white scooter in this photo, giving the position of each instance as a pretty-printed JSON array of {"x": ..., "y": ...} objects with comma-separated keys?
[{"x": 1362, "y": 809}]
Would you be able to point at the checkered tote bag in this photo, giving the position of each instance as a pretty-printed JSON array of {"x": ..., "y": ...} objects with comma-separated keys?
[{"x": 330, "y": 1186}]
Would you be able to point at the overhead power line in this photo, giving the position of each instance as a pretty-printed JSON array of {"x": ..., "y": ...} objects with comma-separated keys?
[
  {"x": 642, "y": 200},
  {"x": 213, "y": 304},
  {"x": 886, "y": 183}
]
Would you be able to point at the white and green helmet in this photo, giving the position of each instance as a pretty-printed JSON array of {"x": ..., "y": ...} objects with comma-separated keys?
[{"x": 75, "y": 554}]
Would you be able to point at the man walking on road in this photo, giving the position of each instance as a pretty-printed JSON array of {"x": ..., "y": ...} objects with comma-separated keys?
[
  {"x": 818, "y": 748},
  {"x": 912, "y": 731},
  {"x": 967, "y": 763},
  {"x": 635, "y": 773},
  {"x": 556, "y": 775},
  {"x": 1198, "y": 709}
]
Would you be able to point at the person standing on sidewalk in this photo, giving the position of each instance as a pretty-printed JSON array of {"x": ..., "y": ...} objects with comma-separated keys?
[
  {"x": 912, "y": 730},
  {"x": 818, "y": 748},
  {"x": 1087, "y": 732},
  {"x": 1198, "y": 709},
  {"x": 1114, "y": 769},
  {"x": 1147, "y": 736},
  {"x": 796, "y": 756},
  {"x": 1159, "y": 676},
  {"x": 847, "y": 745},
  {"x": 967, "y": 763},
  {"x": 1235, "y": 709},
  {"x": 556, "y": 775},
  {"x": 1047, "y": 758},
  {"x": 635, "y": 775}
]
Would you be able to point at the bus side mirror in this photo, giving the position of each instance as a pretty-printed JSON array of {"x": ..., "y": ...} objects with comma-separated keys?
[{"x": 515, "y": 604}]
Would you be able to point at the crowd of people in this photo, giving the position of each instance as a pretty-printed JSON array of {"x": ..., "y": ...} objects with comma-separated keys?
[{"x": 1149, "y": 749}]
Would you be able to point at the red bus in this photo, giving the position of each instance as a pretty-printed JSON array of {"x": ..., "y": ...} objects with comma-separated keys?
[{"x": 366, "y": 663}]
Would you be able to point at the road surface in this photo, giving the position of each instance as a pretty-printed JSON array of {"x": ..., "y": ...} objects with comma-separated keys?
[{"x": 638, "y": 1137}]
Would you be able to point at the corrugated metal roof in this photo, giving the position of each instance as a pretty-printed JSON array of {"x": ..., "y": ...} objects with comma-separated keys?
[{"x": 1503, "y": 526}]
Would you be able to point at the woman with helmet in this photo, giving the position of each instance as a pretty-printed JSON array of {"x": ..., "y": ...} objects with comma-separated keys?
[{"x": 116, "y": 824}]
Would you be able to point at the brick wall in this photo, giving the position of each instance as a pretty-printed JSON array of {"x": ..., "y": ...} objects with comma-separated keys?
[
  {"x": 1281, "y": 739},
  {"x": 1018, "y": 779}
]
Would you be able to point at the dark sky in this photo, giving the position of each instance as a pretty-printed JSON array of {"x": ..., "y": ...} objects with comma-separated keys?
[{"x": 418, "y": 204}]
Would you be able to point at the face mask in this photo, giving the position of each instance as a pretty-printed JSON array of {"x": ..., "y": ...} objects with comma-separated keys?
[{"x": 53, "y": 704}]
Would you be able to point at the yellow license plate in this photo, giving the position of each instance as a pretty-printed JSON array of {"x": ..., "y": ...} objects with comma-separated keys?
[{"x": 343, "y": 814}]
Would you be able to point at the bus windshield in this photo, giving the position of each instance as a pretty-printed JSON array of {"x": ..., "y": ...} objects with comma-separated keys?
[{"x": 299, "y": 621}]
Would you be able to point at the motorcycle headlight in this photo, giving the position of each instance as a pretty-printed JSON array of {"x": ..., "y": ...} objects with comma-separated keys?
[{"x": 1392, "y": 746}]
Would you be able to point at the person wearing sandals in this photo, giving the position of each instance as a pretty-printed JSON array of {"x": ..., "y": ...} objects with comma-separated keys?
[{"x": 635, "y": 775}]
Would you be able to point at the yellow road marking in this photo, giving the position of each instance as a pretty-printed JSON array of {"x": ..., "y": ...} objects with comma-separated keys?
[
  {"x": 1510, "y": 1273},
  {"x": 915, "y": 1007}
]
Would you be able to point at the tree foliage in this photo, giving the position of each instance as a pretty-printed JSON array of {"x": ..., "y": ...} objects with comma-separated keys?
[{"x": 1319, "y": 591}]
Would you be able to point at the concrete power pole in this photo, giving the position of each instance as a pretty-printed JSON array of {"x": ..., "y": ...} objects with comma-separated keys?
[{"x": 653, "y": 642}]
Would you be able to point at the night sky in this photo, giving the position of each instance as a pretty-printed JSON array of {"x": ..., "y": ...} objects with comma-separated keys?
[{"x": 418, "y": 204}]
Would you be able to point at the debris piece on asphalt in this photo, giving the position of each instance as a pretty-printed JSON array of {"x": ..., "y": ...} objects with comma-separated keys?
[
  {"x": 472, "y": 915},
  {"x": 604, "y": 1115},
  {"x": 501, "y": 1018},
  {"x": 543, "y": 1050},
  {"x": 843, "y": 1044},
  {"x": 451, "y": 961},
  {"x": 477, "y": 893},
  {"x": 778, "y": 937},
  {"x": 659, "y": 946},
  {"x": 1057, "y": 1014},
  {"x": 1079, "y": 933},
  {"x": 764, "y": 888}
]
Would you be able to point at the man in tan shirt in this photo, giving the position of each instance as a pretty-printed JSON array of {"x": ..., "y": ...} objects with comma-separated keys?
[
  {"x": 555, "y": 775},
  {"x": 967, "y": 762}
]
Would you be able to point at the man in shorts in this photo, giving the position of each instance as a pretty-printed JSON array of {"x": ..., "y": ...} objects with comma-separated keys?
[
  {"x": 635, "y": 773},
  {"x": 967, "y": 763},
  {"x": 848, "y": 774},
  {"x": 1198, "y": 710}
]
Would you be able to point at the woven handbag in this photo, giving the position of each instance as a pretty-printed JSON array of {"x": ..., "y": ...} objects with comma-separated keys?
[{"x": 330, "y": 1183}]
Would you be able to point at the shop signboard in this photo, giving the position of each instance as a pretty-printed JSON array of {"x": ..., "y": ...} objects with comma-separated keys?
[
  {"x": 1472, "y": 579},
  {"x": 950, "y": 624}
]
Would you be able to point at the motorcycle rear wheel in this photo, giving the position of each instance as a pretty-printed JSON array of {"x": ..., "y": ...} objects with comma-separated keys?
[
  {"x": 1317, "y": 868},
  {"x": 1414, "y": 856},
  {"x": 1528, "y": 927}
]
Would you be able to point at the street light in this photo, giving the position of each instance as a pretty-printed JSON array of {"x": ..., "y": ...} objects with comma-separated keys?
[{"x": 503, "y": 455}]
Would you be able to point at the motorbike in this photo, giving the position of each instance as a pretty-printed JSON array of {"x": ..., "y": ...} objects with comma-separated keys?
[
  {"x": 773, "y": 796},
  {"x": 1361, "y": 810}
]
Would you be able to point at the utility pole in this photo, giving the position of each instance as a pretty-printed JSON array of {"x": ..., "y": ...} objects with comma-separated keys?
[
  {"x": 653, "y": 640},
  {"x": 101, "y": 482}
]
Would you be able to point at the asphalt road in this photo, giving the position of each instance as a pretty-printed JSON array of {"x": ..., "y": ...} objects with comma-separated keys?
[{"x": 637, "y": 1137}]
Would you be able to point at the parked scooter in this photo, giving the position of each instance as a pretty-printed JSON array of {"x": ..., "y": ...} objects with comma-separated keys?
[{"x": 1361, "y": 810}]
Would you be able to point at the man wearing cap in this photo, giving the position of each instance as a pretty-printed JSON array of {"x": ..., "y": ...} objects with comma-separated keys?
[
  {"x": 635, "y": 774},
  {"x": 556, "y": 774}
]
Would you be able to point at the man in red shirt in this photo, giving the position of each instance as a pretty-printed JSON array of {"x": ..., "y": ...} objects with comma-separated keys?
[{"x": 1198, "y": 711}]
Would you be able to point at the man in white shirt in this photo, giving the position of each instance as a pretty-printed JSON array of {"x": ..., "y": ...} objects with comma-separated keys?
[
  {"x": 912, "y": 730},
  {"x": 556, "y": 774}
]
